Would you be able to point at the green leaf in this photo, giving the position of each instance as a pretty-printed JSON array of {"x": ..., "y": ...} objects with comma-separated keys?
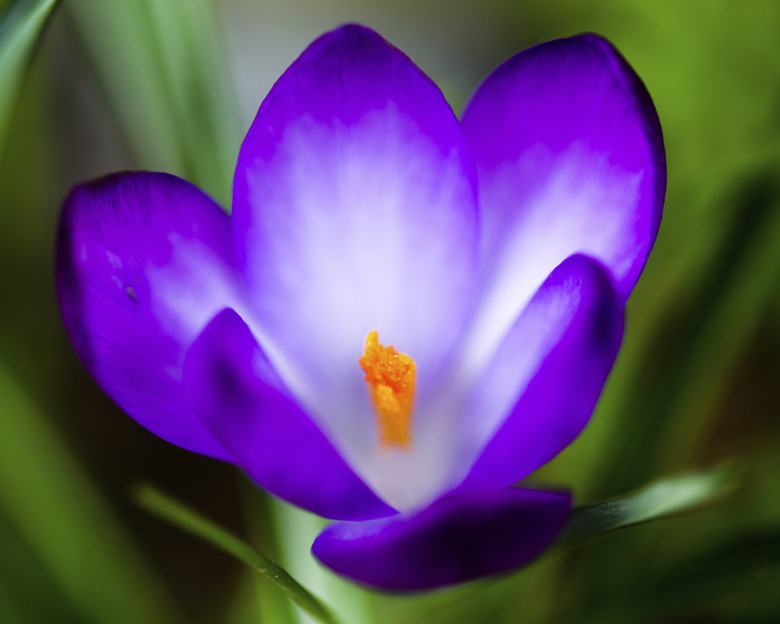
[
  {"x": 191, "y": 521},
  {"x": 20, "y": 25},
  {"x": 60, "y": 518},
  {"x": 668, "y": 497},
  {"x": 165, "y": 74}
]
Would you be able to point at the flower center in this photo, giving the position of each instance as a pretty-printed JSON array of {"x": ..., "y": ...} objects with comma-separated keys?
[{"x": 390, "y": 377}]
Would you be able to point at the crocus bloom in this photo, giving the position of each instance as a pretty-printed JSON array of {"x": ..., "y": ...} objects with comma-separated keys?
[{"x": 494, "y": 254}]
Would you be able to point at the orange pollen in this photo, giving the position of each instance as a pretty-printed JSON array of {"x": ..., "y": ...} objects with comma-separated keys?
[{"x": 390, "y": 376}]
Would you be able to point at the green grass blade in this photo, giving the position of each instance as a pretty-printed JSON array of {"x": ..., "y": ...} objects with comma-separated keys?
[
  {"x": 664, "y": 498},
  {"x": 60, "y": 515},
  {"x": 191, "y": 521},
  {"x": 164, "y": 72},
  {"x": 20, "y": 24}
]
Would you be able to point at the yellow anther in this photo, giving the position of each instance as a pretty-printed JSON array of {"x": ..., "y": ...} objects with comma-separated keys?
[{"x": 390, "y": 376}]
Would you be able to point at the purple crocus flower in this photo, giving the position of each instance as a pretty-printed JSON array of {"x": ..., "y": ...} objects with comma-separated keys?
[{"x": 494, "y": 254}]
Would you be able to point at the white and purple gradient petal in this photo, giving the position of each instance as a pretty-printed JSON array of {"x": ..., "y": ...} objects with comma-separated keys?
[
  {"x": 143, "y": 264},
  {"x": 538, "y": 392},
  {"x": 570, "y": 159},
  {"x": 354, "y": 209},
  {"x": 454, "y": 540},
  {"x": 540, "y": 386},
  {"x": 245, "y": 405}
]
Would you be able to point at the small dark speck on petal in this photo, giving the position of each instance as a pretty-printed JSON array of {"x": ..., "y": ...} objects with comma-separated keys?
[{"x": 131, "y": 293}]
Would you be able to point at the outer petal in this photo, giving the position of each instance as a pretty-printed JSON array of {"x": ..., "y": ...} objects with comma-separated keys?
[
  {"x": 246, "y": 406},
  {"x": 143, "y": 263},
  {"x": 454, "y": 540},
  {"x": 556, "y": 395},
  {"x": 570, "y": 159},
  {"x": 354, "y": 210}
]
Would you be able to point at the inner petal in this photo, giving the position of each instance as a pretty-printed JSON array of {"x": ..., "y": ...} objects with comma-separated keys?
[
  {"x": 354, "y": 209},
  {"x": 406, "y": 447},
  {"x": 560, "y": 191}
]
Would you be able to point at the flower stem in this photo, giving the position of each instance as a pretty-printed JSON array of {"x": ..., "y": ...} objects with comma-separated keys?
[{"x": 297, "y": 529}]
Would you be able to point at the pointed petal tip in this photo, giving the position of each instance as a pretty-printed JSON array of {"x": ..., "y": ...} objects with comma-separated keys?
[{"x": 353, "y": 30}]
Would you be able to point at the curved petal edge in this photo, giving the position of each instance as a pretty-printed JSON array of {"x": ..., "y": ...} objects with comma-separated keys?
[
  {"x": 570, "y": 158},
  {"x": 558, "y": 401},
  {"x": 456, "y": 539},
  {"x": 246, "y": 406},
  {"x": 354, "y": 193},
  {"x": 144, "y": 261}
]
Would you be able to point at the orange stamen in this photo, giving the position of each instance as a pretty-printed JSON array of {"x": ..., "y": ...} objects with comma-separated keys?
[{"x": 390, "y": 376}]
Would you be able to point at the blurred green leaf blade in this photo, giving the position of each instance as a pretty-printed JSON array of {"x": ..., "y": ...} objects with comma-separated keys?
[
  {"x": 656, "y": 501},
  {"x": 163, "y": 69},
  {"x": 20, "y": 24},
  {"x": 63, "y": 520},
  {"x": 185, "y": 518}
]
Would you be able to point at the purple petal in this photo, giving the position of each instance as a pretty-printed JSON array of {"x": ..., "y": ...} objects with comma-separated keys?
[
  {"x": 245, "y": 404},
  {"x": 548, "y": 409},
  {"x": 454, "y": 540},
  {"x": 354, "y": 210},
  {"x": 570, "y": 159},
  {"x": 143, "y": 263}
]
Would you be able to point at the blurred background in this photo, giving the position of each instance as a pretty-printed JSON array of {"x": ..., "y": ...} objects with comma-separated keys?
[{"x": 172, "y": 85}]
